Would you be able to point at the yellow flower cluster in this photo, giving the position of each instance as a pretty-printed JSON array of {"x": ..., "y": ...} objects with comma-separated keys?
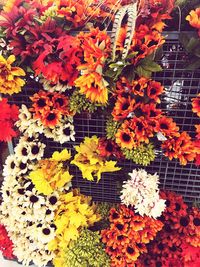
[
  {"x": 10, "y": 83},
  {"x": 51, "y": 174},
  {"x": 75, "y": 212},
  {"x": 89, "y": 161}
]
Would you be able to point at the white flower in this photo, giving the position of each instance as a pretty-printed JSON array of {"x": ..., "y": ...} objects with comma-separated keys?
[
  {"x": 66, "y": 133},
  {"x": 142, "y": 192},
  {"x": 11, "y": 166}
]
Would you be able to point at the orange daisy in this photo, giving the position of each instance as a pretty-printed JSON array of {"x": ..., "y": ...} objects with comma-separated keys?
[
  {"x": 51, "y": 118},
  {"x": 180, "y": 147},
  {"x": 123, "y": 107},
  {"x": 154, "y": 90},
  {"x": 138, "y": 87},
  {"x": 125, "y": 138},
  {"x": 167, "y": 127},
  {"x": 196, "y": 105},
  {"x": 141, "y": 130}
]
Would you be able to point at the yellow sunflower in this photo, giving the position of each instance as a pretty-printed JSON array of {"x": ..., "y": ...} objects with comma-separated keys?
[
  {"x": 9, "y": 81},
  {"x": 93, "y": 86}
]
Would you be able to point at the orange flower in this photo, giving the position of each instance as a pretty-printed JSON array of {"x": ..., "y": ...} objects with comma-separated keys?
[
  {"x": 194, "y": 18},
  {"x": 108, "y": 148},
  {"x": 154, "y": 90},
  {"x": 140, "y": 127},
  {"x": 93, "y": 86},
  {"x": 196, "y": 105},
  {"x": 180, "y": 147},
  {"x": 41, "y": 103},
  {"x": 167, "y": 127},
  {"x": 139, "y": 86},
  {"x": 198, "y": 131},
  {"x": 123, "y": 107},
  {"x": 124, "y": 138},
  {"x": 51, "y": 118}
]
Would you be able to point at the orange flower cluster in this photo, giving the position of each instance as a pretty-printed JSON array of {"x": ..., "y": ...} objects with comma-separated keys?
[
  {"x": 196, "y": 105},
  {"x": 181, "y": 232},
  {"x": 197, "y": 145},
  {"x": 194, "y": 19},
  {"x": 96, "y": 47},
  {"x": 49, "y": 107},
  {"x": 136, "y": 107},
  {"x": 180, "y": 147},
  {"x": 128, "y": 235}
]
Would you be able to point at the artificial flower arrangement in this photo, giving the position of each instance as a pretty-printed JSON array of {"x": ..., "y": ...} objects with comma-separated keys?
[{"x": 42, "y": 219}]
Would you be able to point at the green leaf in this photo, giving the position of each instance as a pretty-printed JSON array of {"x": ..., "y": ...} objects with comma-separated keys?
[
  {"x": 150, "y": 65},
  {"x": 142, "y": 72},
  {"x": 192, "y": 44},
  {"x": 131, "y": 55},
  {"x": 184, "y": 38},
  {"x": 194, "y": 64}
]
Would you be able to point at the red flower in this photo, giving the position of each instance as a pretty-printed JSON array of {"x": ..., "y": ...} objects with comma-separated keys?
[
  {"x": 6, "y": 245},
  {"x": 8, "y": 117}
]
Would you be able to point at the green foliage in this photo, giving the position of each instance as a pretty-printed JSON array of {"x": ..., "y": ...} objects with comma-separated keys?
[
  {"x": 191, "y": 43},
  {"x": 111, "y": 128},
  {"x": 146, "y": 67},
  {"x": 87, "y": 251},
  {"x": 79, "y": 103},
  {"x": 142, "y": 155}
]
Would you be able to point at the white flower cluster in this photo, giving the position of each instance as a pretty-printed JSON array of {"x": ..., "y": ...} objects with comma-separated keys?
[
  {"x": 142, "y": 192},
  {"x": 62, "y": 132},
  {"x": 27, "y": 215}
]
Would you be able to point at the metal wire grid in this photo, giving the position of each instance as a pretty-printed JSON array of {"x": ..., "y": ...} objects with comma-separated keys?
[{"x": 180, "y": 87}]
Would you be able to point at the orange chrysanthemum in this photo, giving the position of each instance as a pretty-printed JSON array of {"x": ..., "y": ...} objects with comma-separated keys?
[
  {"x": 197, "y": 131},
  {"x": 125, "y": 138},
  {"x": 194, "y": 18},
  {"x": 167, "y": 127},
  {"x": 196, "y": 105},
  {"x": 93, "y": 86},
  {"x": 180, "y": 147},
  {"x": 10, "y": 82}
]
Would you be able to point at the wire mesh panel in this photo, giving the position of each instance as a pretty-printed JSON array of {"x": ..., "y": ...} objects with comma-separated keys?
[{"x": 180, "y": 87}]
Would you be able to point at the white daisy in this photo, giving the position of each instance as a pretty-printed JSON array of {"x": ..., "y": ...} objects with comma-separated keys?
[
  {"x": 11, "y": 166},
  {"x": 54, "y": 87}
]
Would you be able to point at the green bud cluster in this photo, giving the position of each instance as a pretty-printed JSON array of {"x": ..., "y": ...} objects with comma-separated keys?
[
  {"x": 142, "y": 155},
  {"x": 79, "y": 103},
  {"x": 51, "y": 12},
  {"x": 111, "y": 128},
  {"x": 87, "y": 251}
]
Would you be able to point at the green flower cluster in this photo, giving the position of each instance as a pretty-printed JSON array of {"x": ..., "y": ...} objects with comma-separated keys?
[
  {"x": 142, "y": 155},
  {"x": 79, "y": 103},
  {"x": 111, "y": 128},
  {"x": 87, "y": 251},
  {"x": 51, "y": 12}
]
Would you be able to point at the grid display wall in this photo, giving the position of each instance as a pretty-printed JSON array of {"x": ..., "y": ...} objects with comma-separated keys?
[{"x": 180, "y": 87}]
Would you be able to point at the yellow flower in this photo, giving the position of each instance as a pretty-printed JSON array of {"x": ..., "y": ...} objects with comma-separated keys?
[
  {"x": 90, "y": 162},
  {"x": 93, "y": 86},
  {"x": 75, "y": 212},
  {"x": 51, "y": 174},
  {"x": 9, "y": 81},
  {"x": 41, "y": 184},
  {"x": 61, "y": 156}
]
